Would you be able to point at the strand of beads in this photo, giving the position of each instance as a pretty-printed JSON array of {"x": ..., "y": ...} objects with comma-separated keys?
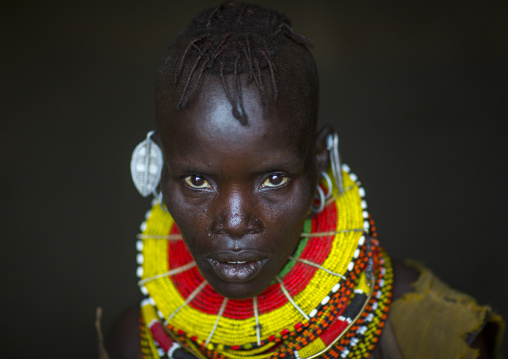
[{"x": 363, "y": 336}]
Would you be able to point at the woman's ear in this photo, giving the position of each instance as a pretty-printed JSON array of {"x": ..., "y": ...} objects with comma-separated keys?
[{"x": 321, "y": 149}]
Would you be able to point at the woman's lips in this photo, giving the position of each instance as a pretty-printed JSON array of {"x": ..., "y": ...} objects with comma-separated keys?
[{"x": 235, "y": 270}]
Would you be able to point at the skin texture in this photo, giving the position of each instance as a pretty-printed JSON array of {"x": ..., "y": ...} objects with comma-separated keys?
[{"x": 240, "y": 193}]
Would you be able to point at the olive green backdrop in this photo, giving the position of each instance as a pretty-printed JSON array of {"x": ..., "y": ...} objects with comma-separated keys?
[{"x": 418, "y": 92}]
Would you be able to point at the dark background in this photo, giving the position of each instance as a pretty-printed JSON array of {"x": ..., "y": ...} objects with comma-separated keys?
[{"x": 418, "y": 92}]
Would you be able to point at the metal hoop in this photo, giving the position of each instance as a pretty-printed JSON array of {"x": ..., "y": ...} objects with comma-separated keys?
[
  {"x": 322, "y": 201},
  {"x": 328, "y": 183}
]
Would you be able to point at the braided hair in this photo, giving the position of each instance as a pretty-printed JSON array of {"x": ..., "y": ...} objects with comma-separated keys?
[{"x": 230, "y": 39}]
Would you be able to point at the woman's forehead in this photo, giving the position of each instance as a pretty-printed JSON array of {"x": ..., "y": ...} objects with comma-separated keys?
[{"x": 209, "y": 121}]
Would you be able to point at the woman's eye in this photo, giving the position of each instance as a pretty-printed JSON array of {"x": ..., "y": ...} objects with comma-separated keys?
[
  {"x": 197, "y": 181},
  {"x": 275, "y": 180}
]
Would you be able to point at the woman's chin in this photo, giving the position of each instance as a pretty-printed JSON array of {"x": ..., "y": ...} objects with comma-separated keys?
[
  {"x": 240, "y": 279},
  {"x": 239, "y": 290}
]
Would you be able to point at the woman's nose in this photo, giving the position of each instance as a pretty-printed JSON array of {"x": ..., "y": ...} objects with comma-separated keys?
[{"x": 236, "y": 214}]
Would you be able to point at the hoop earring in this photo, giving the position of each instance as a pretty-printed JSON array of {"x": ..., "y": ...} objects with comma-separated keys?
[
  {"x": 332, "y": 145},
  {"x": 329, "y": 184},
  {"x": 146, "y": 166},
  {"x": 321, "y": 195},
  {"x": 321, "y": 198}
]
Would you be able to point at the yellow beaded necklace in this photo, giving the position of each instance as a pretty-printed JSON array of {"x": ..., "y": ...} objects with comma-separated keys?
[{"x": 337, "y": 279}]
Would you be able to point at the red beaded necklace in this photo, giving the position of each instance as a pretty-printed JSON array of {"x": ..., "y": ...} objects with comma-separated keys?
[{"x": 345, "y": 320}]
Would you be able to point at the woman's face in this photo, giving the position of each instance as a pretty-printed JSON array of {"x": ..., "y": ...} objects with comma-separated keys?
[{"x": 239, "y": 193}]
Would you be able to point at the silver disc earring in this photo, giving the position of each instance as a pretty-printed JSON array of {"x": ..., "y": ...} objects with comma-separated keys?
[
  {"x": 332, "y": 145},
  {"x": 146, "y": 166}
]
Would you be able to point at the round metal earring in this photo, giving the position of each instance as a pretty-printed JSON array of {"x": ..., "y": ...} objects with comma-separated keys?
[
  {"x": 329, "y": 184},
  {"x": 321, "y": 197}
]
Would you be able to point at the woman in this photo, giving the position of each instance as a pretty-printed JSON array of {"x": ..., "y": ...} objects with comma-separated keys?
[{"x": 260, "y": 244}]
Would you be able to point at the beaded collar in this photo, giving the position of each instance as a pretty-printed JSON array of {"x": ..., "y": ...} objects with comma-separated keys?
[{"x": 330, "y": 300}]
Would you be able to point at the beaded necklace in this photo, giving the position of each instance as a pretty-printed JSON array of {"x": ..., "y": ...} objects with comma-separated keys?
[{"x": 330, "y": 300}]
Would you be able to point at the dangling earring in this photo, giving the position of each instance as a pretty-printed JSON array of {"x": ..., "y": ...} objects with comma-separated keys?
[
  {"x": 332, "y": 145},
  {"x": 321, "y": 197},
  {"x": 146, "y": 166},
  {"x": 329, "y": 184}
]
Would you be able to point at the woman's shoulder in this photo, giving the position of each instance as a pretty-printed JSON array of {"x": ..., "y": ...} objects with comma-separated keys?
[
  {"x": 123, "y": 340},
  {"x": 430, "y": 319},
  {"x": 404, "y": 278}
]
